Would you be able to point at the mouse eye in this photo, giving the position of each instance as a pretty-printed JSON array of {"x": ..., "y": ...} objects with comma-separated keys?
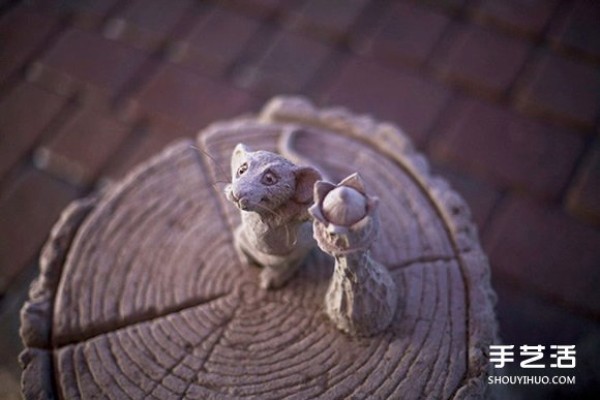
[
  {"x": 243, "y": 168},
  {"x": 269, "y": 179}
]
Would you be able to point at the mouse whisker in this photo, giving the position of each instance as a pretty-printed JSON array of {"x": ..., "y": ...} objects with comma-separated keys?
[
  {"x": 215, "y": 163},
  {"x": 276, "y": 214}
]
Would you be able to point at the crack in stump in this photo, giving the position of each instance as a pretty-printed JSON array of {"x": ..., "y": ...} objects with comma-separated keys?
[{"x": 147, "y": 316}]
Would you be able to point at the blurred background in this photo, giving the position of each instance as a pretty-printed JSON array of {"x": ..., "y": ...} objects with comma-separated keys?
[{"x": 503, "y": 96}]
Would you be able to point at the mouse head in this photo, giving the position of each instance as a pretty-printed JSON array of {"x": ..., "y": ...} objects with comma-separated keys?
[{"x": 263, "y": 181}]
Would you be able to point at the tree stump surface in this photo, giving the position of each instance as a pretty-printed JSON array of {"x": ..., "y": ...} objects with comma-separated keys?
[{"x": 142, "y": 295}]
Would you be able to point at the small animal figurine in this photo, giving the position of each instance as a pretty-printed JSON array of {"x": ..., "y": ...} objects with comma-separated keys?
[
  {"x": 362, "y": 296},
  {"x": 273, "y": 195}
]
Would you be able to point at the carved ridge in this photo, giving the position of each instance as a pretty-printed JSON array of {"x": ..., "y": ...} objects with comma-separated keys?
[
  {"x": 36, "y": 314},
  {"x": 377, "y": 366},
  {"x": 450, "y": 205}
]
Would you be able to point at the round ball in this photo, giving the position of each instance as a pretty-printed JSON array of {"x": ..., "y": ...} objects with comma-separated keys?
[{"x": 344, "y": 206}]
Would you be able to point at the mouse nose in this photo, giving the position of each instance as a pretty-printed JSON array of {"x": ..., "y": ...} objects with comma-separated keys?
[
  {"x": 243, "y": 202},
  {"x": 238, "y": 192},
  {"x": 230, "y": 193},
  {"x": 241, "y": 197}
]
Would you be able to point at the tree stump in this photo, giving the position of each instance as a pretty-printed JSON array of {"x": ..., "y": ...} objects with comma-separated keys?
[{"x": 142, "y": 295}]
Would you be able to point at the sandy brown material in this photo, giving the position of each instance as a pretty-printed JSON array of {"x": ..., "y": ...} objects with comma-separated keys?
[{"x": 142, "y": 294}]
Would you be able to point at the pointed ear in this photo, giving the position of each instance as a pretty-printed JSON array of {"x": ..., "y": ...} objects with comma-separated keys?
[
  {"x": 238, "y": 156},
  {"x": 305, "y": 181}
]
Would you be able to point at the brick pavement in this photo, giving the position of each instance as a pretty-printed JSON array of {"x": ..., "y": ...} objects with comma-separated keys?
[{"x": 503, "y": 96}]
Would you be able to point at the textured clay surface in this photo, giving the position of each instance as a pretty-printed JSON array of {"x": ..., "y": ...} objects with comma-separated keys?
[{"x": 142, "y": 295}]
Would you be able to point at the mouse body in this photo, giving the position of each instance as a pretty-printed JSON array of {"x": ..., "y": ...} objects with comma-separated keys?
[{"x": 273, "y": 195}]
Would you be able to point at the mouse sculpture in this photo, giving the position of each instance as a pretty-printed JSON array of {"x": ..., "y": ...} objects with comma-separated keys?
[{"x": 273, "y": 195}]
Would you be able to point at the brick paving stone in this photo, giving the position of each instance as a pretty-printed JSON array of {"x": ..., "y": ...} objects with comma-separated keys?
[
  {"x": 583, "y": 199},
  {"x": 258, "y": 8},
  {"x": 84, "y": 58},
  {"x": 510, "y": 150},
  {"x": 82, "y": 13},
  {"x": 528, "y": 17},
  {"x": 215, "y": 42},
  {"x": 28, "y": 209},
  {"x": 50, "y": 8},
  {"x": 526, "y": 319},
  {"x": 90, "y": 13},
  {"x": 78, "y": 151},
  {"x": 150, "y": 139},
  {"x": 10, "y": 342},
  {"x": 191, "y": 100},
  {"x": 24, "y": 114},
  {"x": 285, "y": 66},
  {"x": 10, "y": 387},
  {"x": 538, "y": 248},
  {"x": 389, "y": 94},
  {"x": 479, "y": 195},
  {"x": 17, "y": 44},
  {"x": 543, "y": 249},
  {"x": 399, "y": 36},
  {"x": 330, "y": 19},
  {"x": 145, "y": 23},
  {"x": 564, "y": 89},
  {"x": 483, "y": 59},
  {"x": 579, "y": 28},
  {"x": 454, "y": 6}
]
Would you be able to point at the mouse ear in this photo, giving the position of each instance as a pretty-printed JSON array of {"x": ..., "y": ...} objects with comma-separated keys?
[
  {"x": 238, "y": 157},
  {"x": 305, "y": 182}
]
